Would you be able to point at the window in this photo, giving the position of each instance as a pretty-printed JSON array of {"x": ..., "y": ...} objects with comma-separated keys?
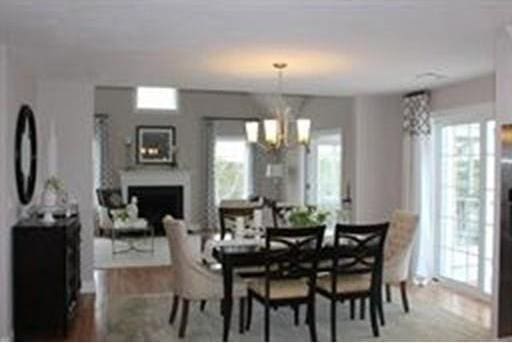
[
  {"x": 231, "y": 168},
  {"x": 324, "y": 171},
  {"x": 465, "y": 199},
  {"x": 156, "y": 99}
]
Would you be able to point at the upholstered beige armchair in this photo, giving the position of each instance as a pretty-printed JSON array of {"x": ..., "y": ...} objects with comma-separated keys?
[
  {"x": 192, "y": 280},
  {"x": 398, "y": 251}
]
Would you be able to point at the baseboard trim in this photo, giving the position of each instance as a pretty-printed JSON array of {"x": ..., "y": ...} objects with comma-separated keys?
[
  {"x": 88, "y": 287},
  {"x": 8, "y": 338}
]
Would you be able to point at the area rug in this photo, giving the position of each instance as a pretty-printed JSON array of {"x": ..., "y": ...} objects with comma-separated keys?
[
  {"x": 145, "y": 318},
  {"x": 104, "y": 259}
]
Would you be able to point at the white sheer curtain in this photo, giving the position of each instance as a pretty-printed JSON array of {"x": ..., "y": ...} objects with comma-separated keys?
[{"x": 418, "y": 181}]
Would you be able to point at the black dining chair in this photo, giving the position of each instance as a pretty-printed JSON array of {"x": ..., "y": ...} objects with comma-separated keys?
[
  {"x": 291, "y": 260},
  {"x": 356, "y": 270},
  {"x": 229, "y": 215}
]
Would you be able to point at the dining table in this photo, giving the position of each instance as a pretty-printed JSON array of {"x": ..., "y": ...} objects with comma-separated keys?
[{"x": 240, "y": 256}]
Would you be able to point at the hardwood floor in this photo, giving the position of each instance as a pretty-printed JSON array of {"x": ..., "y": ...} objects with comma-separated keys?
[{"x": 90, "y": 323}]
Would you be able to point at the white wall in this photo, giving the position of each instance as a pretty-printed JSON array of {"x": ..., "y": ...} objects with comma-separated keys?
[
  {"x": 17, "y": 87},
  {"x": 69, "y": 107},
  {"x": 5, "y": 320},
  {"x": 378, "y": 151}
]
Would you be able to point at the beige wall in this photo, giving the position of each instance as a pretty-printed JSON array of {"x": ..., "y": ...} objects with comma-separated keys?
[
  {"x": 378, "y": 132},
  {"x": 326, "y": 112},
  {"x": 117, "y": 102},
  {"x": 463, "y": 94}
]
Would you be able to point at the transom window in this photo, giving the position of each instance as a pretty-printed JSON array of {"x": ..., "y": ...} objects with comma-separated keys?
[{"x": 156, "y": 99}]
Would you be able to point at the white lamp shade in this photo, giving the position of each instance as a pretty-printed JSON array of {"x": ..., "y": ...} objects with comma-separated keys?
[
  {"x": 271, "y": 131},
  {"x": 251, "y": 131},
  {"x": 303, "y": 130},
  {"x": 274, "y": 170}
]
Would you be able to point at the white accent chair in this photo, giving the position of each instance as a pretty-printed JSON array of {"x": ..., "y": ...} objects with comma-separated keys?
[
  {"x": 192, "y": 280},
  {"x": 397, "y": 253}
]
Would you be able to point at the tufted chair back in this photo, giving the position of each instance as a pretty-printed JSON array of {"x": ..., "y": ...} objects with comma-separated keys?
[
  {"x": 399, "y": 245},
  {"x": 192, "y": 280}
]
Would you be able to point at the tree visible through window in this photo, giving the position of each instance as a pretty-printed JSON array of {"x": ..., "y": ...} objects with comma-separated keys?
[
  {"x": 231, "y": 169},
  {"x": 324, "y": 168},
  {"x": 465, "y": 215}
]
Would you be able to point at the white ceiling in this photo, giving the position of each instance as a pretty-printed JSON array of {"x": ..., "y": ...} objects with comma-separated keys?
[{"x": 333, "y": 47}]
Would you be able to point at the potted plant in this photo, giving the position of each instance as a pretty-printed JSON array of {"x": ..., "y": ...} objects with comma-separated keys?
[{"x": 307, "y": 217}]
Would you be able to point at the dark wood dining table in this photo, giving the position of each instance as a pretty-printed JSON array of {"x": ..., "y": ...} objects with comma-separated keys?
[{"x": 234, "y": 257}]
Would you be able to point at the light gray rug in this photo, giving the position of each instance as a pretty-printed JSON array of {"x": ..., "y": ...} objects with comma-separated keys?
[
  {"x": 104, "y": 259},
  {"x": 145, "y": 318}
]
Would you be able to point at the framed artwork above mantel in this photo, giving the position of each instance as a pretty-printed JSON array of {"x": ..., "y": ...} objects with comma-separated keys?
[{"x": 156, "y": 145}]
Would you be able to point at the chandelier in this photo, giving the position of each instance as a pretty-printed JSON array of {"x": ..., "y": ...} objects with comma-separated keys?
[{"x": 277, "y": 129}]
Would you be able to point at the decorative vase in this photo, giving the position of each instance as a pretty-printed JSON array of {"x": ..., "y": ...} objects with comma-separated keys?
[
  {"x": 48, "y": 217},
  {"x": 49, "y": 198}
]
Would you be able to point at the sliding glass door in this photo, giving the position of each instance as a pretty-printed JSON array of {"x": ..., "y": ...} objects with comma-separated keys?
[{"x": 465, "y": 201}]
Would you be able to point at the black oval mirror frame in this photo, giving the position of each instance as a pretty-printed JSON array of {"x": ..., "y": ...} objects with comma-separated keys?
[{"x": 25, "y": 184}]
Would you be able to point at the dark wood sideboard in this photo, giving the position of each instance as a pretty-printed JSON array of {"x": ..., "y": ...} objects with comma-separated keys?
[{"x": 46, "y": 275}]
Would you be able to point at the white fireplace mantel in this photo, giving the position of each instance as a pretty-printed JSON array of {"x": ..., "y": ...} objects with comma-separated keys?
[{"x": 161, "y": 177}]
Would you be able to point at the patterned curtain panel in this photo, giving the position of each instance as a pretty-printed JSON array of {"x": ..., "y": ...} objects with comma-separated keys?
[
  {"x": 103, "y": 170},
  {"x": 209, "y": 209},
  {"x": 417, "y": 114},
  {"x": 417, "y": 180}
]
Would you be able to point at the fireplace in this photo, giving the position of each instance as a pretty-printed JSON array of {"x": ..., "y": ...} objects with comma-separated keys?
[{"x": 157, "y": 201}]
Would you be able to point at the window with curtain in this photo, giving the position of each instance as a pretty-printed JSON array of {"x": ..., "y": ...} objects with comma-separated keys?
[
  {"x": 232, "y": 168},
  {"x": 324, "y": 171}
]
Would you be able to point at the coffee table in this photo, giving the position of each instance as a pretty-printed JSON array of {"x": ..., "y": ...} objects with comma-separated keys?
[{"x": 132, "y": 226}]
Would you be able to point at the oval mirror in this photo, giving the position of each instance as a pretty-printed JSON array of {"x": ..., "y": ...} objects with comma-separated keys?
[{"x": 25, "y": 154}]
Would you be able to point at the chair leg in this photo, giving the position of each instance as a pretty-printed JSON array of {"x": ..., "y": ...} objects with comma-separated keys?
[
  {"x": 249, "y": 313},
  {"x": 241, "y": 316},
  {"x": 373, "y": 316},
  {"x": 362, "y": 308},
  {"x": 296, "y": 315},
  {"x": 202, "y": 305},
  {"x": 312, "y": 320},
  {"x": 174, "y": 308},
  {"x": 380, "y": 310},
  {"x": 333, "y": 320},
  {"x": 352, "y": 308},
  {"x": 388, "y": 292},
  {"x": 403, "y": 291},
  {"x": 184, "y": 318},
  {"x": 267, "y": 322}
]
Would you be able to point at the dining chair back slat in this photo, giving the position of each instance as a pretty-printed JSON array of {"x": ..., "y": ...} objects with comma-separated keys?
[
  {"x": 292, "y": 252},
  {"x": 359, "y": 249}
]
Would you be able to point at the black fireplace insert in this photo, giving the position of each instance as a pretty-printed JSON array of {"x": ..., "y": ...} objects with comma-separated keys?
[{"x": 156, "y": 201}]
